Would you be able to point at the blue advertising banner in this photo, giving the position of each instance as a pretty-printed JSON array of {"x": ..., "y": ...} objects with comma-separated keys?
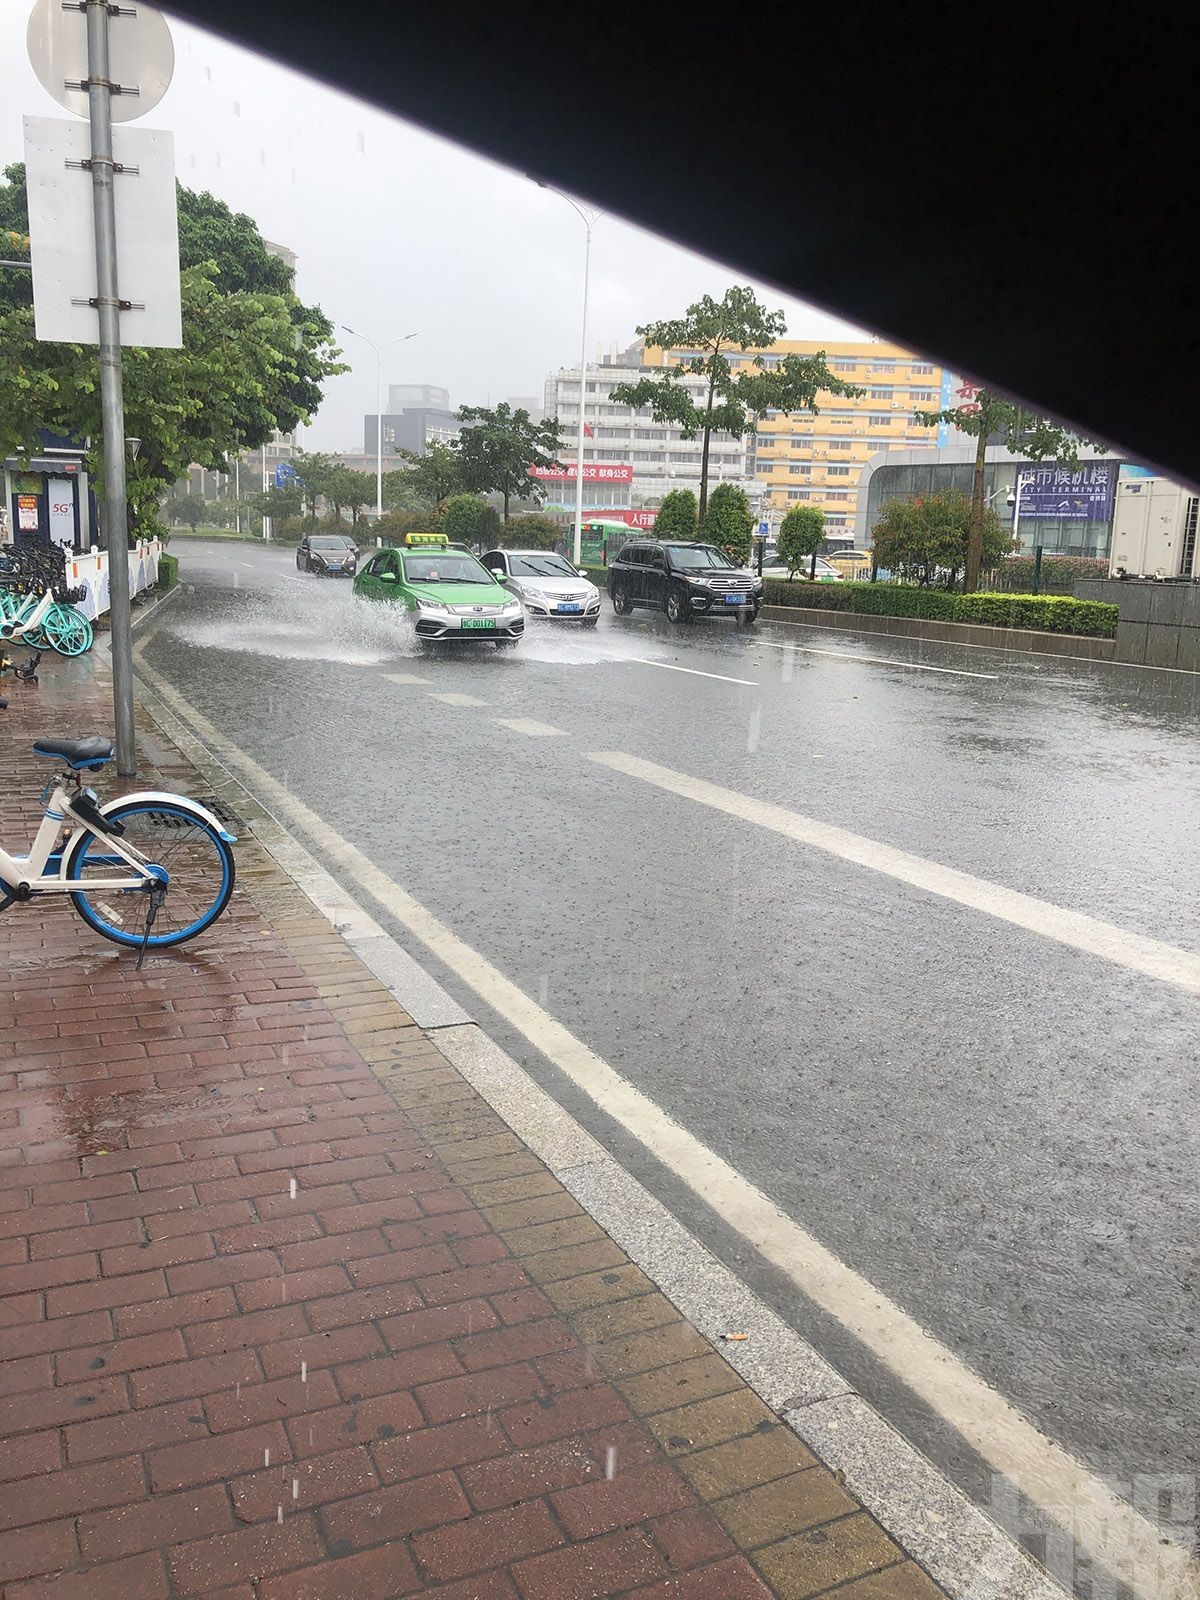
[{"x": 1080, "y": 494}]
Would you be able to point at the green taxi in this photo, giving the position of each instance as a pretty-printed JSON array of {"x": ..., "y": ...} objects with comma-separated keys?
[{"x": 454, "y": 598}]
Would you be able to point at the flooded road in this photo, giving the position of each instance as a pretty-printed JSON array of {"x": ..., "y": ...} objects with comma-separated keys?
[{"x": 991, "y": 1123}]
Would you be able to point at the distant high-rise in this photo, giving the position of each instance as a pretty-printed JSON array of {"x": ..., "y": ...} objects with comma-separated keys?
[
  {"x": 410, "y": 396},
  {"x": 418, "y": 415}
]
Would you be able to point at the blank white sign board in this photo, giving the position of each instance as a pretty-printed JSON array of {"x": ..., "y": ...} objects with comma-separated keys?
[{"x": 62, "y": 241}]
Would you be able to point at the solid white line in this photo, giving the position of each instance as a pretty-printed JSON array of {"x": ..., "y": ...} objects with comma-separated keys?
[
  {"x": 453, "y": 698},
  {"x": 996, "y": 649},
  {"x": 667, "y": 666},
  {"x": 1103, "y": 1524},
  {"x": 527, "y": 726},
  {"x": 875, "y": 661},
  {"x": 1134, "y": 951}
]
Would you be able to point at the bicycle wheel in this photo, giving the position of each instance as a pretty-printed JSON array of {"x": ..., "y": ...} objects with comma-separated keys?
[
  {"x": 66, "y": 630},
  {"x": 187, "y": 853}
]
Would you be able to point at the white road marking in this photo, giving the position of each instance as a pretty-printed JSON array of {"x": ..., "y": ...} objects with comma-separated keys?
[
  {"x": 644, "y": 661},
  {"x": 1102, "y": 1524},
  {"x": 1135, "y": 951},
  {"x": 526, "y": 725},
  {"x": 452, "y": 698},
  {"x": 875, "y": 661},
  {"x": 405, "y": 677},
  {"x": 249, "y": 564}
]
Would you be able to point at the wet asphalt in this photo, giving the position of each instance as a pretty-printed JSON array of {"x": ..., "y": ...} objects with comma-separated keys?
[{"x": 999, "y": 1132}]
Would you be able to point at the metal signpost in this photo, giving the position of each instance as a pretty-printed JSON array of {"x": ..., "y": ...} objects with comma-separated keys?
[{"x": 122, "y": 78}]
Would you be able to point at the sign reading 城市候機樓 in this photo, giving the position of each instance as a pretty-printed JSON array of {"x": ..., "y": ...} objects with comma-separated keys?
[{"x": 1080, "y": 494}]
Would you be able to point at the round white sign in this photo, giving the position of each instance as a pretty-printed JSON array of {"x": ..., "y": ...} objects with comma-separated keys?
[{"x": 141, "y": 57}]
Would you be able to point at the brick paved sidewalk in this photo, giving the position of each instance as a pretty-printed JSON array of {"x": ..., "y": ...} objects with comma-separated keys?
[{"x": 287, "y": 1312}]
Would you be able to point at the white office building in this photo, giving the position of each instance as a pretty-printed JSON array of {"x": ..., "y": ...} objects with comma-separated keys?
[{"x": 620, "y": 437}]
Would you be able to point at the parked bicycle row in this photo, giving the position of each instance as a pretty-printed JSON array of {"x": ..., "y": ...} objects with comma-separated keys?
[{"x": 36, "y": 604}]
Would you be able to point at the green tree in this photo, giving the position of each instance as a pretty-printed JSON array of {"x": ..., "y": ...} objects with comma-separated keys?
[
  {"x": 801, "y": 534},
  {"x": 278, "y": 504},
  {"x": 253, "y": 358},
  {"x": 393, "y": 525},
  {"x": 677, "y": 517},
  {"x": 354, "y": 490},
  {"x": 496, "y": 454},
  {"x": 425, "y": 480},
  {"x": 469, "y": 519},
  {"x": 926, "y": 539},
  {"x": 709, "y": 332},
  {"x": 316, "y": 478},
  {"x": 184, "y": 510},
  {"x": 533, "y": 530},
  {"x": 992, "y": 418},
  {"x": 728, "y": 523}
]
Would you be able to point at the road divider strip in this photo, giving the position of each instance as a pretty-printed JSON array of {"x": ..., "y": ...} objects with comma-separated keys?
[
  {"x": 1104, "y": 1526},
  {"x": 529, "y": 727},
  {"x": 1134, "y": 951},
  {"x": 668, "y": 666}
]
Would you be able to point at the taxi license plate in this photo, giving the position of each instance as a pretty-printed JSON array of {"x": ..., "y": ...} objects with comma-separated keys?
[
  {"x": 734, "y": 599},
  {"x": 478, "y": 622}
]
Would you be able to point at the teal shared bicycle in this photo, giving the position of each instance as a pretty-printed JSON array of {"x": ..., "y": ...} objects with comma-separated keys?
[{"x": 41, "y": 620}]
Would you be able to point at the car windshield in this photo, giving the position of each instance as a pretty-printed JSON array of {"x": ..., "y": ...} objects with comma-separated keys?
[
  {"x": 547, "y": 566},
  {"x": 833, "y": 945},
  {"x": 447, "y": 568},
  {"x": 696, "y": 555}
]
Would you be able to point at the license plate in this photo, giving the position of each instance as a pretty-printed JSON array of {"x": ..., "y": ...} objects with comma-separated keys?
[
  {"x": 569, "y": 606},
  {"x": 735, "y": 599},
  {"x": 478, "y": 622}
]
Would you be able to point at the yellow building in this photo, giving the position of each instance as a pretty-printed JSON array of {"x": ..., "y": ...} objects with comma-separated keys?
[{"x": 807, "y": 458}]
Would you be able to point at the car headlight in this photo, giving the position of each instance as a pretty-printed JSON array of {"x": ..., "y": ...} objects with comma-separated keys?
[
  {"x": 431, "y": 605},
  {"x": 511, "y": 606}
]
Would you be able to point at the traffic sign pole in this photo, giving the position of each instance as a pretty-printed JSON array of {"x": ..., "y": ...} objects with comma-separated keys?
[{"x": 112, "y": 403}]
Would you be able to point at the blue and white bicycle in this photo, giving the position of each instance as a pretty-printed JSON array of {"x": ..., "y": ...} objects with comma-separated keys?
[{"x": 148, "y": 871}]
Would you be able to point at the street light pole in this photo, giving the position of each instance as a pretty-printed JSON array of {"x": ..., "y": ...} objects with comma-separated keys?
[
  {"x": 401, "y": 338},
  {"x": 589, "y": 218},
  {"x": 112, "y": 402}
]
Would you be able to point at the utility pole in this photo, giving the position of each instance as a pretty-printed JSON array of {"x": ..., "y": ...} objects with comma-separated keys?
[{"x": 112, "y": 402}]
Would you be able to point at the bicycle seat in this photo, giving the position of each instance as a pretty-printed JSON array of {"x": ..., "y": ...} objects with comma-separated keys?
[{"x": 77, "y": 753}]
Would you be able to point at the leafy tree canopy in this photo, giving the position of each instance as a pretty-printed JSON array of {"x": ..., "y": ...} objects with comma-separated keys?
[
  {"x": 800, "y": 537},
  {"x": 677, "y": 517},
  {"x": 728, "y": 523},
  {"x": 469, "y": 519},
  {"x": 496, "y": 454},
  {"x": 708, "y": 333},
  {"x": 253, "y": 359},
  {"x": 924, "y": 539}
]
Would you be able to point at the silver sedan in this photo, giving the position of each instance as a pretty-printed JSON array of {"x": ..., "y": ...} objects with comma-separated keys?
[{"x": 546, "y": 584}]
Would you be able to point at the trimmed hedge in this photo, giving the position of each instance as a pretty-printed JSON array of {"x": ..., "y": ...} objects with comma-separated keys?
[
  {"x": 1042, "y": 612},
  {"x": 168, "y": 571}
]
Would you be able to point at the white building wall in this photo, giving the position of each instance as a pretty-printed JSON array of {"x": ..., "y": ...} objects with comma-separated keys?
[{"x": 661, "y": 458}]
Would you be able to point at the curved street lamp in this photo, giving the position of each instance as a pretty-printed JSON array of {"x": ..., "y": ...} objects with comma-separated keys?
[
  {"x": 401, "y": 338},
  {"x": 589, "y": 218}
]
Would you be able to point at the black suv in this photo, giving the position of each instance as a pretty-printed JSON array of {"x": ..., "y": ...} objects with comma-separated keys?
[{"x": 682, "y": 580}]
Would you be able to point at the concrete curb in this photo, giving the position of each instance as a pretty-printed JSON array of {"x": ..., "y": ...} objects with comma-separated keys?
[{"x": 957, "y": 1543}]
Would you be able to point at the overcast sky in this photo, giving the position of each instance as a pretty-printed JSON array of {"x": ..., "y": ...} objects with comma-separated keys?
[{"x": 401, "y": 232}]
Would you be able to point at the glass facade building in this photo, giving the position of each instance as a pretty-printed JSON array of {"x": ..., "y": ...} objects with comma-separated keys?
[{"x": 1084, "y": 528}]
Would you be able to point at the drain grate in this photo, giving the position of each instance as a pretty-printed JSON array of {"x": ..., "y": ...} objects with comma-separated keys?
[{"x": 224, "y": 813}]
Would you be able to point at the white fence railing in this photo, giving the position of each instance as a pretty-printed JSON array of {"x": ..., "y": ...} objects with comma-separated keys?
[{"x": 90, "y": 573}]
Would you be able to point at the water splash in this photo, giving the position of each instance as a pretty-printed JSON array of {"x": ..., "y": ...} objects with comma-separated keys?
[{"x": 308, "y": 621}]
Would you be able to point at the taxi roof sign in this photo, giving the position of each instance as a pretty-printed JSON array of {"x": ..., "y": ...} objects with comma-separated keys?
[{"x": 439, "y": 539}]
